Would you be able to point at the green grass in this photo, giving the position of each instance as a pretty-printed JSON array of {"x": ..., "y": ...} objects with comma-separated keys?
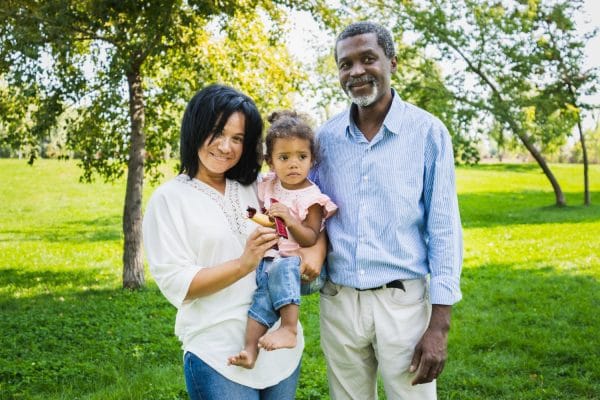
[{"x": 527, "y": 327}]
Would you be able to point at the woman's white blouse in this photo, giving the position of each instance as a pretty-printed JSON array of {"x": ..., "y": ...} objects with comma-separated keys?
[{"x": 189, "y": 226}]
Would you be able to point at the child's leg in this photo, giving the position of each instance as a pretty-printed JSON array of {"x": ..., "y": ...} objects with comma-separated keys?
[
  {"x": 283, "y": 337},
  {"x": 261, "y": 316},
  {"x": 284, "y": 290},
  {"x": 247, "y": 357}
]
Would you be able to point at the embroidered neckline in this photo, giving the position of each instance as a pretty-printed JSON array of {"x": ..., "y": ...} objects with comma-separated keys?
[{"x": 229, "y": 202}]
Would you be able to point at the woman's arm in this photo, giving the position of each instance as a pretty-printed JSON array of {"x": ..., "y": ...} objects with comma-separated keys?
[{"x": 212, "y": 279}]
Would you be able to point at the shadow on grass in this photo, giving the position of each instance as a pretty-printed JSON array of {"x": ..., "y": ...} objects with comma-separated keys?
[
  {"x": 527, "y": 332},
  {"x": 58, "y": 282},
  {"x": 531, "y": 332},
  {"x": 78, "y": 231},
  {"x": 527, "y": 207},
  {"x": 529, "y": 167},
  {"x": 75, "y": 341}
]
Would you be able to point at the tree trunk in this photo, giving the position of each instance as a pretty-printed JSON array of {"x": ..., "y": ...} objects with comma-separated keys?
[
  {"x": 586, "y": 181},
  {"x": 133, "y": 259},
  {"x": 558, "y": 193}
]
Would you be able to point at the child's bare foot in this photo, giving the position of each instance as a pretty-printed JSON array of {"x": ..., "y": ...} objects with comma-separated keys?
[
  {"x": 244, "y": 359},
  {"x": 282, "y": 338}
]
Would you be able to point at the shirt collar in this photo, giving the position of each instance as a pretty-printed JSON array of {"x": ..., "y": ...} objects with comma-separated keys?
[{"x": 391, "y": 123}]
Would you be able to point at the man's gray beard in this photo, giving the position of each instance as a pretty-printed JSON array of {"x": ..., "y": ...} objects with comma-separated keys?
[{"x": 364, "y": 101}]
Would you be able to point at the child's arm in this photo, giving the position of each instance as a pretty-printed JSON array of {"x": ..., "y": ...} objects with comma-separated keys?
[{"x": 305, "y": 232}]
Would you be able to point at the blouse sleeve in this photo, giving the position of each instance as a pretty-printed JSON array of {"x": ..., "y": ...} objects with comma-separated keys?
[{"x": 171, "y": 263}]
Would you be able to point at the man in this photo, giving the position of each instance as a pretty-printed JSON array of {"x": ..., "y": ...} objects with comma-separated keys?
[{"x": 395, "y": 245}]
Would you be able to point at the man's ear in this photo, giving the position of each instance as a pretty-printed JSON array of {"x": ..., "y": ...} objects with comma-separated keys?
[{"x": 394, "y": 64}]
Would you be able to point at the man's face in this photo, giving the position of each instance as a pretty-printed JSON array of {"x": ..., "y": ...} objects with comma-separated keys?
[{"x": 363, "y": 68}]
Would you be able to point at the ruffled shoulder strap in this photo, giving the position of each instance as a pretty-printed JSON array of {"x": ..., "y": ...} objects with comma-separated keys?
[
  {"x": 266, "y": 186},
  {"x": 312, "y": 197}
]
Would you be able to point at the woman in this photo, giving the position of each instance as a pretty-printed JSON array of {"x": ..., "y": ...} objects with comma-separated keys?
[{"x": 203, "y": 252}]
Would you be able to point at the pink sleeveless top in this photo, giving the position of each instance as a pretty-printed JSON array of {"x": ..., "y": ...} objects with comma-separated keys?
[{"x": 298, "y": 201}]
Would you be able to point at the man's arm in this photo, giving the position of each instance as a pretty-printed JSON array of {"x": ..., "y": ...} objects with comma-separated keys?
[
  {"x": 431, "y": 351},
  {"x": 444, "y": 253}
]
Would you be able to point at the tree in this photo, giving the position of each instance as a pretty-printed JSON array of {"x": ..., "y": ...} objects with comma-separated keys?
[
  {"x": 419, "y": 80},
  {"x": 499, "y": 67},
  {"x": 562, "y": 44},
  {"x": 16, "y": 122},
  {"x": 109, "y": 59}
]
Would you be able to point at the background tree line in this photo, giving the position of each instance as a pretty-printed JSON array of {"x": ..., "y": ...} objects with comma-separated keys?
[{"x": 106, "y": 81}]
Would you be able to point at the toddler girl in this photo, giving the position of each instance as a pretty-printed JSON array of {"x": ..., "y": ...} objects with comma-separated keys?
[{"x": 287, "y": 194}]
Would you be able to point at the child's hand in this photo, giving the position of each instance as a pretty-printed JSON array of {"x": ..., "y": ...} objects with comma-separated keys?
[{"x": 280, "y": 210}]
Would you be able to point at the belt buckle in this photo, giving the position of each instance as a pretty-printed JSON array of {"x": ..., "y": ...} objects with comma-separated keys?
[{"x": 397, "y": 284}]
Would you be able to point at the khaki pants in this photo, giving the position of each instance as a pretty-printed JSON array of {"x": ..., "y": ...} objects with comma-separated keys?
[{"x": 366, "y": 331}]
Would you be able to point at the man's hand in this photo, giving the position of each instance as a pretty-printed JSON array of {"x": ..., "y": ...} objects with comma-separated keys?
[{"x": 431, "y": 351}]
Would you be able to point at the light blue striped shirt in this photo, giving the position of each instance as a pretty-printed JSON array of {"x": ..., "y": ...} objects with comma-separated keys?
[{"x": 398, "y": 212}]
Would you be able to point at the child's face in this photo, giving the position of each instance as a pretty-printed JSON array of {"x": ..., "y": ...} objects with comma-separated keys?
[{"x": 291, "y": 161}]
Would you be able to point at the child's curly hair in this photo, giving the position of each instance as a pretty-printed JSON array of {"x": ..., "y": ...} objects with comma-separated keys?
[{"x": 289, "y": 124}]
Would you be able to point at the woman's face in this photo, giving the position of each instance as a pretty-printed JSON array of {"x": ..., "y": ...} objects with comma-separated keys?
[{"x": 225, "y": 150}]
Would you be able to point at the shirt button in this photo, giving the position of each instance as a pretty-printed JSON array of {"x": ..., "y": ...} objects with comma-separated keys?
[
  {"x": 362, "y": 272},
  {"x": 366, "y": 178}
]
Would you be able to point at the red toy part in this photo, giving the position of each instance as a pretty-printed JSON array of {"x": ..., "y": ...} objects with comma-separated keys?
[{"x": 279, "y": 224}]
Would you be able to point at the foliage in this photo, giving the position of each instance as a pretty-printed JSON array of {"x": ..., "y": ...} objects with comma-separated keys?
[
  {"x": 593, "y": 146},
  {"x": 178, "y": 50},
  {"x": 105, "y": 58},
  {"x": 530, "y": 281},
  {"x": 419, "y": 80}
]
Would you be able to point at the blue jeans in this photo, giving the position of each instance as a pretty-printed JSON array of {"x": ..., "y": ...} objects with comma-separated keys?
[
  {"x": 278, "y": 284},
  {"x": 204, "y": 383}
]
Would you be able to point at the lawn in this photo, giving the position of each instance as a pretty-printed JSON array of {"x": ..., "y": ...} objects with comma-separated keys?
[{"x": 527, "y": 327}]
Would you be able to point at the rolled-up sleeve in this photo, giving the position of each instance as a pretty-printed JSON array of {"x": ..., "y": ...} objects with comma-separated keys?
[
  {"x": 443, "y": 227},
  {"x": 171, "y": 263}
]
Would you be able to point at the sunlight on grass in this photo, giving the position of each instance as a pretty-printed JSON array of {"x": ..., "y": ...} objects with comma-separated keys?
[{"x": 526, "y": 327}]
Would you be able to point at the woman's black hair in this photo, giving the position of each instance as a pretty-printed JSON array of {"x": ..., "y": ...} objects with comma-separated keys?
[{"x": 204, "y": 119}]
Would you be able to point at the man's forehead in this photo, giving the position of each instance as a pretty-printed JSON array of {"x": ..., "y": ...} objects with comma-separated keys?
[{"x": 364, "y": 42}]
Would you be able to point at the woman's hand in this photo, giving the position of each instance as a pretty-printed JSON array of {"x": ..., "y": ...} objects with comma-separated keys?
[{"x": 259, "y": 241}]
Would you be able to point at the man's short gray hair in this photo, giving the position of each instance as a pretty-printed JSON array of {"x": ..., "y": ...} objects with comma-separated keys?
[{"x": 384, "y": 37}]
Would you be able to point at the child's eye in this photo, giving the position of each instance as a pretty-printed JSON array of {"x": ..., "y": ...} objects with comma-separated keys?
[
  {"x": 303, "y": 156},
  {"x": 282, "y": 157}
]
